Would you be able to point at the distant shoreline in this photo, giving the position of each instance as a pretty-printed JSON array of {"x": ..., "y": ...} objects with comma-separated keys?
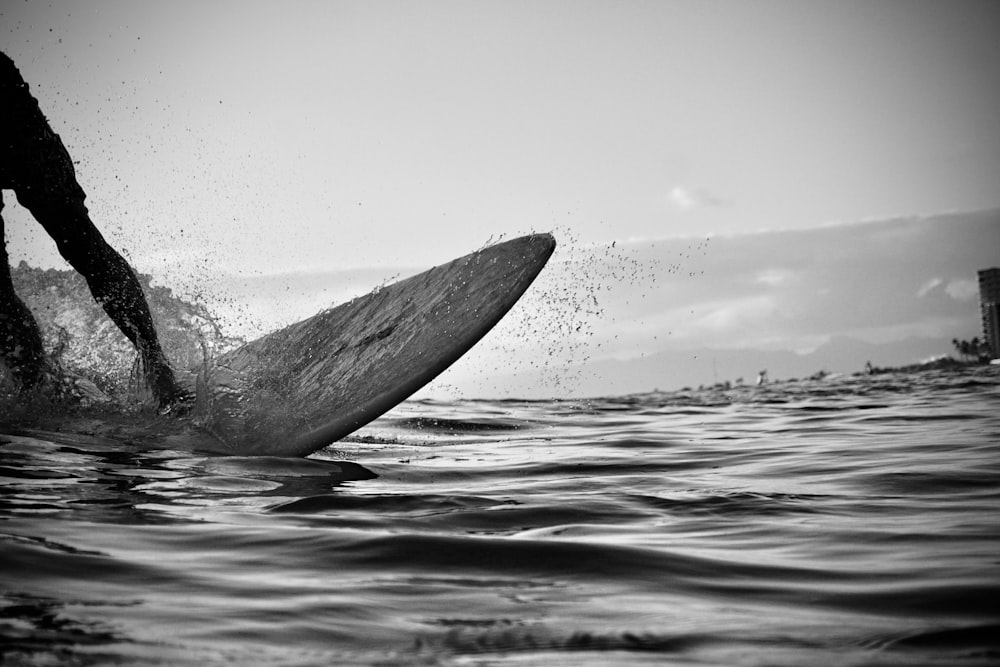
[
  {"x": 944, "y": 363},
  {"x": 941, "y": 363}
]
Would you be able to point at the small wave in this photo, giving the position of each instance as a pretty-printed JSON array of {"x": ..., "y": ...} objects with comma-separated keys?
[
  {"x": 471, "y": 636},
  {"x": 26, "y": 558},
  {"x": 461, "y": 426},
  {"x": 977, "y": 640},
  {"x": 925, "y": 483},
  {"x": 733, "y": 503},
  {"x": 45, "y": 625},
  {"x": 277, "y": 467},
  {"x": 381, "y": 503}
]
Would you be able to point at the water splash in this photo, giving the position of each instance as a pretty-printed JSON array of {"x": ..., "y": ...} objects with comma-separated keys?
[{"x": 581, "y": 308}]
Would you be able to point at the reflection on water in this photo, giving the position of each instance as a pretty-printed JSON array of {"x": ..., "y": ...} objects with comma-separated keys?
[{"x": 848, "y": 521}]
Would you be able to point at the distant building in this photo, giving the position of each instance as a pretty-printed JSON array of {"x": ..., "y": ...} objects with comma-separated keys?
[{"x": 989, "y": 306}]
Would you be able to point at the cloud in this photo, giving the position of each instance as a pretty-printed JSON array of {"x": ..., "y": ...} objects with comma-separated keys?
[
  {"x": 774, "y": 276},
  {"x": 685, "y": 199},
  {"x": 753, "y": 320},
  {"x": 959, "y": 289},
  {"x": 926, "y": 288},
  {"x": 962, "y": 290}
]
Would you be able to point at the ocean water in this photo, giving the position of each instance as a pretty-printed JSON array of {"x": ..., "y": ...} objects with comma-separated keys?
[{"x": 844, "y": 521}]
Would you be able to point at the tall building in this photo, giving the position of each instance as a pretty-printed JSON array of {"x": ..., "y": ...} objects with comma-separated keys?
[{"x": 989, "y": 306}]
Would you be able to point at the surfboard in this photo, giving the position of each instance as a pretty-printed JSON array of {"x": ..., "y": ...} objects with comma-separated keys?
[{"x": 299, "y": 389}]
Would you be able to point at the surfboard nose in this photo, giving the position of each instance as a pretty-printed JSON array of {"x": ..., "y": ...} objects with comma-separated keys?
[
  {"x": 540, "y": 245},
  {"x": 543, "y": 240},
  {"x": 546, "y": 240}
]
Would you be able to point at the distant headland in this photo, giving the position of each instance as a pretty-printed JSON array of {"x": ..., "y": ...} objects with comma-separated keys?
[{"x": 80, "y": 337}]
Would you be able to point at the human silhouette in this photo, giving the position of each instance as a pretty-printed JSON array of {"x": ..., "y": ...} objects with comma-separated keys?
[{"x": 36, "y": 166}]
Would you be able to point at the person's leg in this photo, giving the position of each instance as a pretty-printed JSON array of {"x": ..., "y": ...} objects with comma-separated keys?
[
  {"x": 20, "y": 339},
  {"x": 37, "y": 166},
  {"x": 111, "y": 281}
]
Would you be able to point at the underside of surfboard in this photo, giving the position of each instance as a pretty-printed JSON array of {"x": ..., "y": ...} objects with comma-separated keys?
[{"x": 299, "y": 389}]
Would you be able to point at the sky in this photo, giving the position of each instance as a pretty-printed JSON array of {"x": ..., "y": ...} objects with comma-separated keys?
[{"x": 680, "y": 152}]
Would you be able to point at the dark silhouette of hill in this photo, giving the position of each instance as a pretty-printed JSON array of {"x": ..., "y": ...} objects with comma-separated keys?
[{"x": 77, "y": 332}]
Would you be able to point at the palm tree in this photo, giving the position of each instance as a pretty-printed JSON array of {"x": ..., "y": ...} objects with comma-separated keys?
[
  {"x": 981, "y": 349},
  {"x": 972, "y": 350}
]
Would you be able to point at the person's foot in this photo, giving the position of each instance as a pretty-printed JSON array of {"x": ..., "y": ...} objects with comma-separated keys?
[
  {"x": 170, "y": 396},
  {"x": 179, "y": 403}
]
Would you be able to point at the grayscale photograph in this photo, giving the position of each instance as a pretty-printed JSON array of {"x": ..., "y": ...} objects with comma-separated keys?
[{"x": 500, "y": 332}]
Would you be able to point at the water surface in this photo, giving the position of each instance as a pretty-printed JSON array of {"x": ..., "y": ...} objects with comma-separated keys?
[{"x": 850, "y": 520}]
